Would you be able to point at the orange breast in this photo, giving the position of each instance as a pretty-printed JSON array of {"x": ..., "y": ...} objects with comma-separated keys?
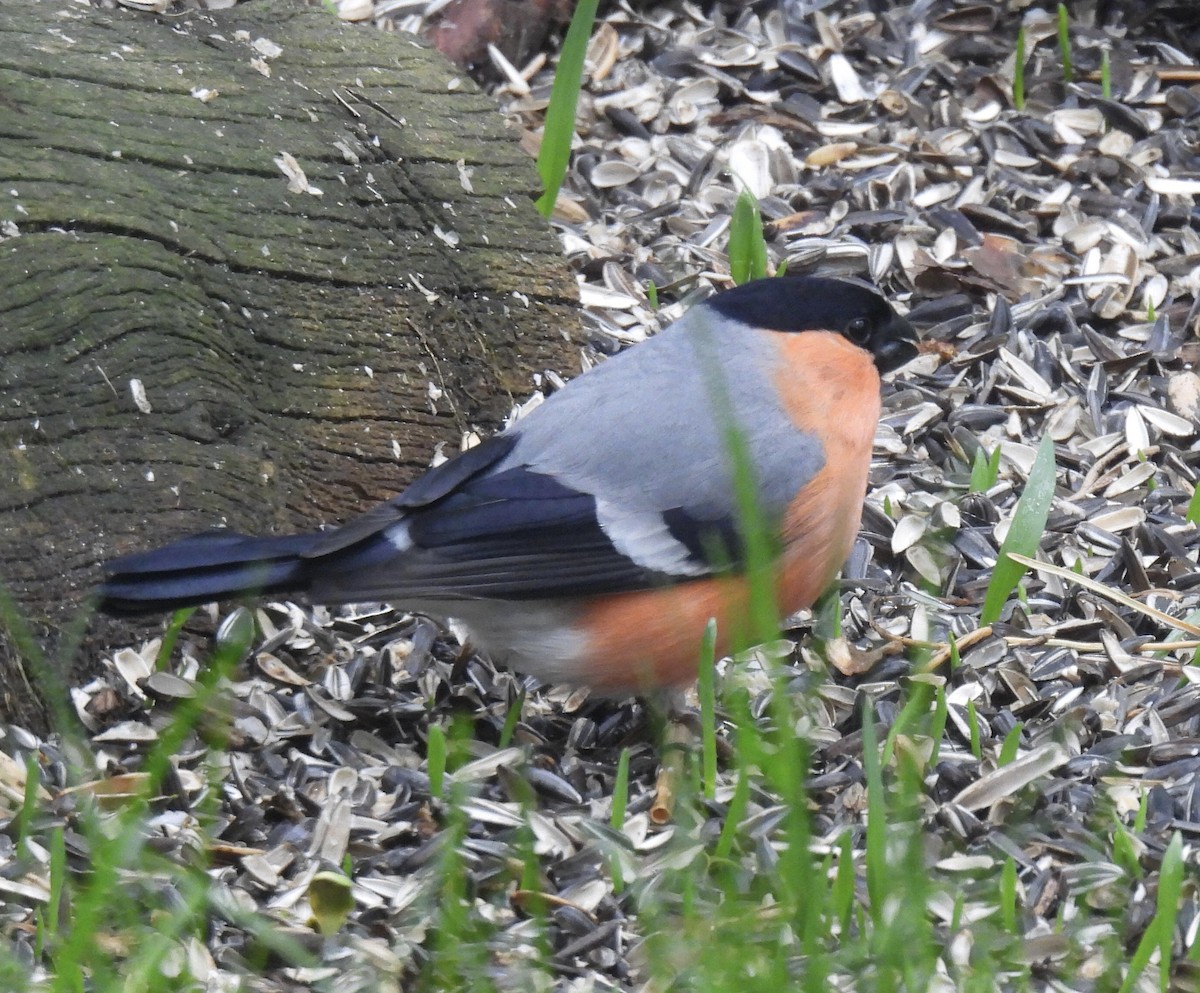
[
  {"x": 830, "y": 388},
  {"x": 649, "y": 639}
]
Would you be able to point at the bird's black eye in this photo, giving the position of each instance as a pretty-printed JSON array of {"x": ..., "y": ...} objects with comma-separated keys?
[{"x": 858, "y": 331}]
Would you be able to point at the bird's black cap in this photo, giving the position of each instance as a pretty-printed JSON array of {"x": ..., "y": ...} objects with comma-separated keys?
[{"x": 849, "y": 307}]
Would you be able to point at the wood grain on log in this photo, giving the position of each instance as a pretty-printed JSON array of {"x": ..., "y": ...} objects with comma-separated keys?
[{"x": 253, "y": 267}]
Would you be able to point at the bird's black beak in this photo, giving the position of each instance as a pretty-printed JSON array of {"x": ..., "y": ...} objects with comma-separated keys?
[{"x": 894, "y": 345}]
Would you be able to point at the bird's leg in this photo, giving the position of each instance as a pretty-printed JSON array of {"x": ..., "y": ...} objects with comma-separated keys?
[{"x": 678, "y": 738}]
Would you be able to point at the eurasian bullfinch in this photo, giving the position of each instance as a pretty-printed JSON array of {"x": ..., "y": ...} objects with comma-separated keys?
[{"x": 592, "y": 540}]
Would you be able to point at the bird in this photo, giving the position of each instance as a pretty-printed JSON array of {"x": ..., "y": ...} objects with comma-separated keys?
[{"x": 592, "y": 540}]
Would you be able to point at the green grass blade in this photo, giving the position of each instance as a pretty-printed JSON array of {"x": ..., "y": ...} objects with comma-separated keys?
[
  {"x": 1170, "y": 887},
  {"x": 620, "y": 800},
  {"x": 620, "y": 791},
  {"x": 1139, "y": 819},
  {"x": 1124, "y": 853},
  {"x": 451, "y": 950},
  {"x": 842, "y": 897},
  {"x": 171, "y": 635},
  {"x": 511, "y": 719},
  {"x": 1019, "y": 71},
  {"x": 1064, "y": 42},
  {"x": 877, "y": 827},
  {"x": 1105, "y": 75},
  {"x": 29, "y": 804},
  {"x": 978, "y": 482},
  {"x": 530, "y": 879},
  {"x": 973, "y": 725},
  {"x": 827, "y": 616},
  {"x": 555, "y": 153},
  {"x": 1012, "y": 741},
  {"x": 733, "y": 816},
  {"x": 937, "y": 723},
  {"x": 1008, "y": 897},
  {"x": 747, "y": 246},
  {"x": 956, "y": 915},
  {"x": 919, "y": 699},
  {"x": 58, "y": 877},
  {"x": 435, "y": 753},
  {"x": 985, "y": 470},
  {"x": 1193, "y": 511},
  {"x": 1140, "y": 959},
  {"x": 708, "y": 715},
  {"x": 1024, "y": 535}
]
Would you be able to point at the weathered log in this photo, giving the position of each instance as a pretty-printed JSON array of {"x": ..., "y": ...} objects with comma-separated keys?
[{"x": 254, "y": 266}]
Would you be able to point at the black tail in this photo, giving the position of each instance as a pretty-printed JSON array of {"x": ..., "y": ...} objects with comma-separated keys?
[{"x": 212, "y": 565}]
